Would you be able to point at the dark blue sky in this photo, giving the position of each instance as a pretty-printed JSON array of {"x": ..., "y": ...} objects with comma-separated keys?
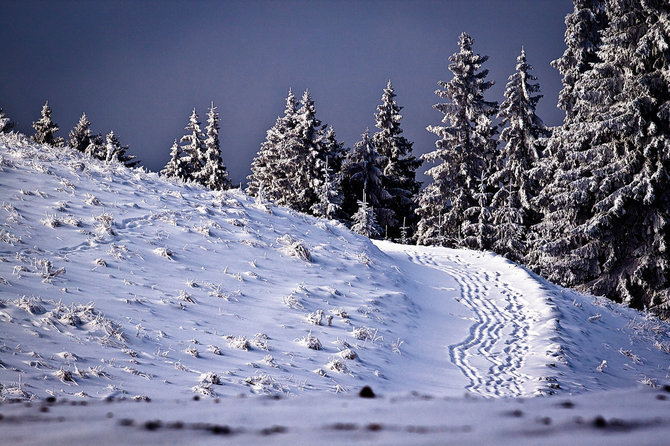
[{"x": 139, "y": 67}]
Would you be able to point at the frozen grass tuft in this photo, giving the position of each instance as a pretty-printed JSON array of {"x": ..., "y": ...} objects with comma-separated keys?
[
  {"x": 348, "y": 354},
  {"x": 260, "y": 341},
  {"x": 210, "y": 378},
  {"x": 294, "y": 248},
  {"x": 192, "y": 351},
  {"x": 32, "y": 305},
  {"x": 337, "y": 365},
  {"x": 51, "y": 221},
  {"x": 64, "y": 376},
  {"x": 315, "y": 318},
  {"x": 164, "y": 252},
  {"x": 311, "y": 342},
  {"x": 240, "y": 343}
]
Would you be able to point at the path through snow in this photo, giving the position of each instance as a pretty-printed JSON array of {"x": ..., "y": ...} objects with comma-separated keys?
[{"x": 493, "y": 354}]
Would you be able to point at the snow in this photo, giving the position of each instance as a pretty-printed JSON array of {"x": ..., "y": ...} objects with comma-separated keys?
[{"x": 116, "y": 283}]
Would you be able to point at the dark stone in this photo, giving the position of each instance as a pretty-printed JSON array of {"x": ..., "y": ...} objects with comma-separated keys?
[
  {"x": 51, "y": 399},
  {"x": 567, "y": 404},
  {"x": 152, "y": 425},
  {"x": 126, "y": 422},
  {"x": 273, "y": 430},
  {"x": 366, "y": 392},
  {"x": 220, "y": 430},
  {"x": 44, "y": 409},
  {"x": 196, "y": 397},
  {"x": 600, "y": 422},
  {"x": 374, "y": 427}
]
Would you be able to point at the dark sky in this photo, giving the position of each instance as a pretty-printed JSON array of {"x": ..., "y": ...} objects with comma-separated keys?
[{"x": 139, "y": 67}]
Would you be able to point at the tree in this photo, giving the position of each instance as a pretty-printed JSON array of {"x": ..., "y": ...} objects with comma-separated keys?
[
  {"x": 397, "y": 163},
  {"x": 365, "y": 222},
  {"x": 96, "y": 147},
  {"x": 362, "y": 172},
  {"x": 177, "y": 167},
  {"x": 329, "y": 198},
  {"x": 213, "y": 173},
  {"x": 192, "y": 147},
  {"x": 512, "y": 210},
  {"x": 6, "y": 124},
  {"x": 465, "y": 150},
  {"x": 115, "y": 152},
  {"x": 80, "y": 135},
  {"x": 265, "y": 172},
  {"x": 45, "y": 129},
  {"x": 610, "y": 201}
]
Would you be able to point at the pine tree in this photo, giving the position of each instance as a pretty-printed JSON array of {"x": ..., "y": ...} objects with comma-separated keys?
[
  {"x": 609, "y": 192},
  {"x": 329, "y": 199},
  {"x": 45, "y": 129},
  {"x": 213, "y": 174},
  {"x": 115, "y": 152},
  {"x": 311, "y": 155},
  {"x": 397, "y": 163},
  {"x": 512, "y": 210},
  {"x": 265, "y": 172},
  {"x": 96, "y": 148},
  {"x": 80, "y": 135},
  {"x": 6, "y": 124},
  {"x": 365, "y": 222},
  {"x": 177, "y": 167},
  {"x": 465, "y": 150},
  {"x": 362, "y": 171},
  {"x": 193, "y": 148}
]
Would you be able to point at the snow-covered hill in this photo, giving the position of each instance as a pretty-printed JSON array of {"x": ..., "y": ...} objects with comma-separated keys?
[{"x": 115, "y": 282}]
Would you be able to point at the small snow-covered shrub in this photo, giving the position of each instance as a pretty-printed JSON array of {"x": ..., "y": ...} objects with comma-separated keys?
[
  {"x": 193, "y": 352},
  {"x": 64, "y": 375},
  {"x": 348, "y": 354},
  {"x": 292, "y": 301},
  {"x": 311, "y": 342},
  {"x": 315, "y": 318},
  {"x": 210, "y": 378},
  {"x": 164, "y": 252},
  {"x": 270, "y": 360},
  {"x": 337, "y": 365},
  {"x": 186, "y": 297},
  {"x": 100, "y": 262},
  {"x": 362, "y": 333},
  {"x": 214, "y": 349},
  {"x": 260, "y": 341},
  {"x": 294, "y": 248},
  {"x": 340, "y": 312},
  {"x": 204, "y": 389},
  {"x": 51, "y": 221},
  {"x": 91, "y": 200},
  {"x": 264, "y": 383},
  {"x": 636, "y": 359},
  {"x": 105, "y": 221},
  {"x": 32, "y": 305},
  {"x": 240, "y": 343},
  {"x": 118, "y": 252}
]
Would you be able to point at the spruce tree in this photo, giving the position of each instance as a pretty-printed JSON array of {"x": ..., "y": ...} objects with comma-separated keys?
[
  {"x": 362, "y": 172},
  {"x": 193, "y": 148},
  {"x": 397, "y": 163},
  {"x": 177, "y": 167},
  {"x": 115, "y": 152},
  {"x": 45, "y": 129},
  {"x": 96, "y": 148},
  {"x": 80, "y": 135},
  {"x": 213, "y": 174},
  {"x": 265, "y": 168},
  {"x": 329, "y": 197},
  {"x": 364, "y": 220},
  {"x": 311, "y": 155},
  {"x": 610, "y": 191},
  {"x": 6, "y": 124},
  {"x": 465, "y": 150},
  {"x": 523, "y": 129}
]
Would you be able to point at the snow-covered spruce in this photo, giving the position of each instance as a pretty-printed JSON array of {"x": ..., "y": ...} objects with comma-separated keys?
[
  {"x": 464, "y": 152},
  {"x": 514, "y": 188},
  {"x": 45, "y": 129},
  {"x": 398, "y": 166}
]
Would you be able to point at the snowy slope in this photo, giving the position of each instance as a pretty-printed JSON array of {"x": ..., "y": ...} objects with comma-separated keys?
[{"x": 115, "y": 282}]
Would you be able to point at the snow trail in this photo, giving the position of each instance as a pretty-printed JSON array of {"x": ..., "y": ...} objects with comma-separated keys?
[{"x": 493, "y": 353}]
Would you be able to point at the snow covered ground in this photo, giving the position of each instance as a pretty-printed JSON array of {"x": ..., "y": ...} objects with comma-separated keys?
[{"x": 117, "y": 284}]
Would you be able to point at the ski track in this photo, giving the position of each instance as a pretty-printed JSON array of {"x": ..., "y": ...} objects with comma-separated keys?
[{"x": 499, "y": 334}]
